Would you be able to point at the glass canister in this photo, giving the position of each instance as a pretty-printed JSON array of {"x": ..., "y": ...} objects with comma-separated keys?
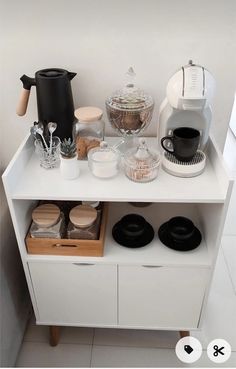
[
  {"x": 48, "y": 222},
  {"x": 89, "y": 130},
  {"x": 96, "y": 205},
  {"x": 142, "y": 164},
  {"x": 104, "y": 161},
  {"x": 130, "y": 109},
  {"x": 84, "y": 223}
]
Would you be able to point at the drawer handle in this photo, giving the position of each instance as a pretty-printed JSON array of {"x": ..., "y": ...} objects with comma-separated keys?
[
  {"x": 152, "y": 266},
  {"x": 61, "y": 245},
  {"x": 83, "y": 264}
]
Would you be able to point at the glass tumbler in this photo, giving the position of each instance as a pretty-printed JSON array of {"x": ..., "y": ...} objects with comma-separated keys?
[{"x": 48, "y": 157}]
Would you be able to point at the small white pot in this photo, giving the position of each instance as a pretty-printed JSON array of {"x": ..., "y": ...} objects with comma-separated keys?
[{"x": 69, "y": 168}]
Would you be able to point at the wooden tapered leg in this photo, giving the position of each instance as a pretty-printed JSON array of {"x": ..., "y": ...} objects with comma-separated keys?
[
  {"x": 54, "y": 335},
  {"x": 184, "y": 334}
]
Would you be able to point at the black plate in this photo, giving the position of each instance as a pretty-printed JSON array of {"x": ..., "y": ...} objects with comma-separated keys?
[
  {"x": 186, "y": 245},
  {"x": 134, "y": 242}
]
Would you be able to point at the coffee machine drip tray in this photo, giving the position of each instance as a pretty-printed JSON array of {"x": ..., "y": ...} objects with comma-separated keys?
[{"x": 179, "y": 168}]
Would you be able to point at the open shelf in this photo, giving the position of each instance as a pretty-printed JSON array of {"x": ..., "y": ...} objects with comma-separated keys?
[
  {"x": 27, "y": 180},
  {"x": 155, "y": 253}
]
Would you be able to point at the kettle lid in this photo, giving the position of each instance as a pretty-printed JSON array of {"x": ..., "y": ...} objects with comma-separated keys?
[{"x": 51, "y": 73}]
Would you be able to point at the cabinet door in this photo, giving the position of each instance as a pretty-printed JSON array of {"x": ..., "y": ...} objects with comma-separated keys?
[
  {"x": 152, "y": 296},
  {"x": 76, "y": 293}
]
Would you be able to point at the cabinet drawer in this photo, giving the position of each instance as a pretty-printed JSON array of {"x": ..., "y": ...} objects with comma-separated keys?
[
  {"x": 152, "y": 296},
  {"x": 75, "y": 293}
]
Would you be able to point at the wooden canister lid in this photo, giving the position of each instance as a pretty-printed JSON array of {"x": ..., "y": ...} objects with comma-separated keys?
[
  {"x": 83, "y": 216},
  {"x": 88, "y": 114},
  {"x": 46, "y": 215}
]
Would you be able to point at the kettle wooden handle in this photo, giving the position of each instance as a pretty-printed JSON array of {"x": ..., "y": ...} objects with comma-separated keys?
[{"x": 23, "y": 102}]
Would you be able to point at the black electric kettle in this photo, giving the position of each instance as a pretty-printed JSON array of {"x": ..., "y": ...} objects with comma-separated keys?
[{"x": 54, "y": 99}]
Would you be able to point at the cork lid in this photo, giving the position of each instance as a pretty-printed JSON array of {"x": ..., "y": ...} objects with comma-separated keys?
[
  {"x": 83, "y": 216},
  {"x": 46, "y": 215},
  {"x": 88, "y": 114}
]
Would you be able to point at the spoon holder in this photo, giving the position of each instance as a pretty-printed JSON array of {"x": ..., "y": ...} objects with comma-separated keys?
[{"x": 48, "y": 160}]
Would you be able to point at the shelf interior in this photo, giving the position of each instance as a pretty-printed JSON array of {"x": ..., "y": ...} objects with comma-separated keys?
[{"x": 155, "y": 253}]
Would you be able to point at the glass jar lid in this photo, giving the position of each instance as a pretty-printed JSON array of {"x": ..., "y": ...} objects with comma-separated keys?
[
  {"x": 103, "y": 153},
  {"x": 130, "y": 98},
  {"x": 83, "y": 216},
  {"x": 141, "y": 157}
]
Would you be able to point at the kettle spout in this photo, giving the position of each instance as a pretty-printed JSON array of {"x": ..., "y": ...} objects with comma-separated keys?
[
  {"x": 71, "y": 75},
  {"x": 27, "y": 82}
]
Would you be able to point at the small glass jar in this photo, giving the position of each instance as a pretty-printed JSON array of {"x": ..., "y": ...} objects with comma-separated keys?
[
  {"x": 104, "y": 161},
  {"x": 89, "y": 130},
  {"x": 141, "y": 164},
  {"x": 48, "y": 222},
  {"x": 84, "y": 223}
]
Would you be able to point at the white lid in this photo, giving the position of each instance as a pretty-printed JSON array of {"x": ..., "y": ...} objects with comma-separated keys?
[
  {"x": 103, "y": 153},
  {"x": 88, "y": 114}
]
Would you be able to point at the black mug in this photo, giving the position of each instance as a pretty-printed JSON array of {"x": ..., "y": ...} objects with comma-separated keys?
[{"x": 185, "y": 142}]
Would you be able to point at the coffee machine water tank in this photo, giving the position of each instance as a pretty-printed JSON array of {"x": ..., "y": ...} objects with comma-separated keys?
[{"x": 188, "y": 100}]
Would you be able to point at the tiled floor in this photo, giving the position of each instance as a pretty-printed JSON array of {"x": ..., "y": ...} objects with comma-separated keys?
[{"x": 87, "y": 347}]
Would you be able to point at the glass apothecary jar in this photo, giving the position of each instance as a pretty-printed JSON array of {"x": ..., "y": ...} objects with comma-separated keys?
[
  {"x": 84, "y": 223},
  {"x": 130, "y": 109},
  {"x": 47, "y": 222},
  {"x": 142, "y": 164},
  {"x": 89, "y": 130}
]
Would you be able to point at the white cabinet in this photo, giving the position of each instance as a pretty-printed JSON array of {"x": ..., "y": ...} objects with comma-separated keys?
[
  {"x": 156, "y": 296},
  {"x": 75, "y": 293},
  {"x": 153, "y": 287}
]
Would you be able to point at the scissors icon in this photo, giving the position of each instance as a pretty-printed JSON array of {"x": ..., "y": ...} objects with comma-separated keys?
[{"x": 218, "y": 350}]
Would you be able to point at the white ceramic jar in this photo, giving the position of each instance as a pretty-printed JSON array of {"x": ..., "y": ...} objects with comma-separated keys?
[{"x": 69, "y": 168}]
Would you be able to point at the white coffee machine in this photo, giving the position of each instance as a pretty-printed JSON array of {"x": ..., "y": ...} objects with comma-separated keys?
[{"x": 189, "y": 94}]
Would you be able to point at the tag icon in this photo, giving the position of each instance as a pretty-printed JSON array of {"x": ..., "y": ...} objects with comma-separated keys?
[{"x": 188, "y": 349}]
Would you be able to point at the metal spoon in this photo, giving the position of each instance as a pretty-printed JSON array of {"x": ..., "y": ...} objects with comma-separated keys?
[
  {"x": 51, "y": 127},
  {"x": 33, "y": 131},
  {"x": 39, "y": 130}
]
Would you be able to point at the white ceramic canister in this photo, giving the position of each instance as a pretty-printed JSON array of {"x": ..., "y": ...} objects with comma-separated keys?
[{"x": 69, "y": 168}]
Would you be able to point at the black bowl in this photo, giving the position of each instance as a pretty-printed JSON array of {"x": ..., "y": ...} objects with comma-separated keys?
[
  {"x": 187, "y": 244},
  {"x": 180, "y": 228},
  {"x": 132, "y": 225},
  {"x": 133, "y": 242}
]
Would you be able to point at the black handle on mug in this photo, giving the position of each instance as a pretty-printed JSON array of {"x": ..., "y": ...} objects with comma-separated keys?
[{"x": 162, "y": 143}]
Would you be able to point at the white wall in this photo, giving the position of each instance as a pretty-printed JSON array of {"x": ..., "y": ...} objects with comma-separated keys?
[{"x": 100, "y": 39}]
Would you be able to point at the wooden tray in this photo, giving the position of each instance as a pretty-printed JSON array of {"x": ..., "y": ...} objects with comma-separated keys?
[{"x": 64, "y": 246}]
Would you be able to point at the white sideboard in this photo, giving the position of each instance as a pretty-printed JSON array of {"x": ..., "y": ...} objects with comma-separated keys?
[{"x": 153, "y": 287}]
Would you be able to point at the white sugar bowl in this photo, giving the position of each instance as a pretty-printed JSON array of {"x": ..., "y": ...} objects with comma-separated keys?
[{"x": 104, "y": 161}]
